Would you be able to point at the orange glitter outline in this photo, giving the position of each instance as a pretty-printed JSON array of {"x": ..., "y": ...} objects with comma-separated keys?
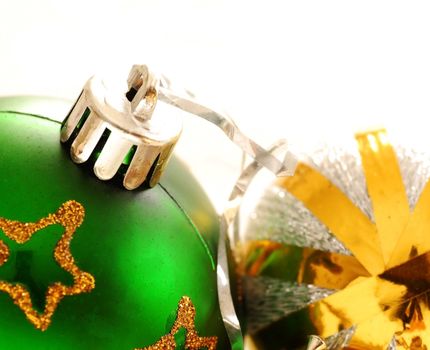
[
  {"x": 184, "y": 319},
  {"x": 70, "y": 215}
]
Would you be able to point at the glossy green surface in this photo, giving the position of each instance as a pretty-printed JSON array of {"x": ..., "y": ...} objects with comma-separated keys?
[{"x": 143, "y": 250}]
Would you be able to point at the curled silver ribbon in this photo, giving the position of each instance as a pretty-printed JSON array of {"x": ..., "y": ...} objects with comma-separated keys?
[
  {"x": 227, "y": 229},
  {"x": 187, "y": 103},
  {"x": 262, "y": 158}
]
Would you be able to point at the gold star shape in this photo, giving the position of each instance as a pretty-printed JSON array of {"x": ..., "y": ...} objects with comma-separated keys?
[
  {"x": 184, "y": 319},
  {"x": 383, "y": 290},
  {"x": 70, "y": 215}
]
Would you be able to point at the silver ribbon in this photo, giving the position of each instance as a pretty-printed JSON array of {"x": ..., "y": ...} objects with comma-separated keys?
[
  {"x": 227, "y": 229},
  {"x": 262, "y": 158},
  {"x": 187, "y": 103}
]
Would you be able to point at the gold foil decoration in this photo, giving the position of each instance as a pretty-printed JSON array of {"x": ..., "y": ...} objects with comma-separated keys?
[
  {"x": 324, "y": 269},
  {"x": 383, "y": 290},
  {"x": 184, "y": 319},
  {"x": 385, "y": 188},
  {"x": 317, "y": 267},
  {"x": 338, "y": 213},
  {"x": 70, "y": 215},
  {"x": 415, "y": 237}
]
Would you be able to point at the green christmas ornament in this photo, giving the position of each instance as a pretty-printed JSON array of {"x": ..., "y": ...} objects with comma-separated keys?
[
  {"x": 87, "y": 264},
  {"x": 128, "y": 262}
]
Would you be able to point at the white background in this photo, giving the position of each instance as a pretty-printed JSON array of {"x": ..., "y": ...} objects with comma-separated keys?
[{"x": 300, "y": 69}]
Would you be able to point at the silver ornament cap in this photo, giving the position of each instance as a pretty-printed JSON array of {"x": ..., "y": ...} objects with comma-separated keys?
[{"x": 120, "y": 119}]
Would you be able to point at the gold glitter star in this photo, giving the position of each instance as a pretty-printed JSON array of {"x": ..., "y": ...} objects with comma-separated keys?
[
  {"x": 184, "y": 319},
  {"x": 70, "y": 215}
]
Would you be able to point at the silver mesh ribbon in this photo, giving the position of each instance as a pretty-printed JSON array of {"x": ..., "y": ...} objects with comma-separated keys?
[
  {"x": 270, "y": 299},
  {"x": 415, "y": 169},
  {"x": 341, "y": 164},
  {"x": 280, "y": 217}
]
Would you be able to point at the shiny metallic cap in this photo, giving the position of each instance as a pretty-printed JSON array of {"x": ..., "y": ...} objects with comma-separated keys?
[
  {"x": 117, "y": 124},
  {"x": 124, "y": 128}
]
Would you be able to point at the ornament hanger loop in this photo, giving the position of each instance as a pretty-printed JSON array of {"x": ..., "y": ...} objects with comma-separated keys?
[{"x": 142, "y": 91}]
